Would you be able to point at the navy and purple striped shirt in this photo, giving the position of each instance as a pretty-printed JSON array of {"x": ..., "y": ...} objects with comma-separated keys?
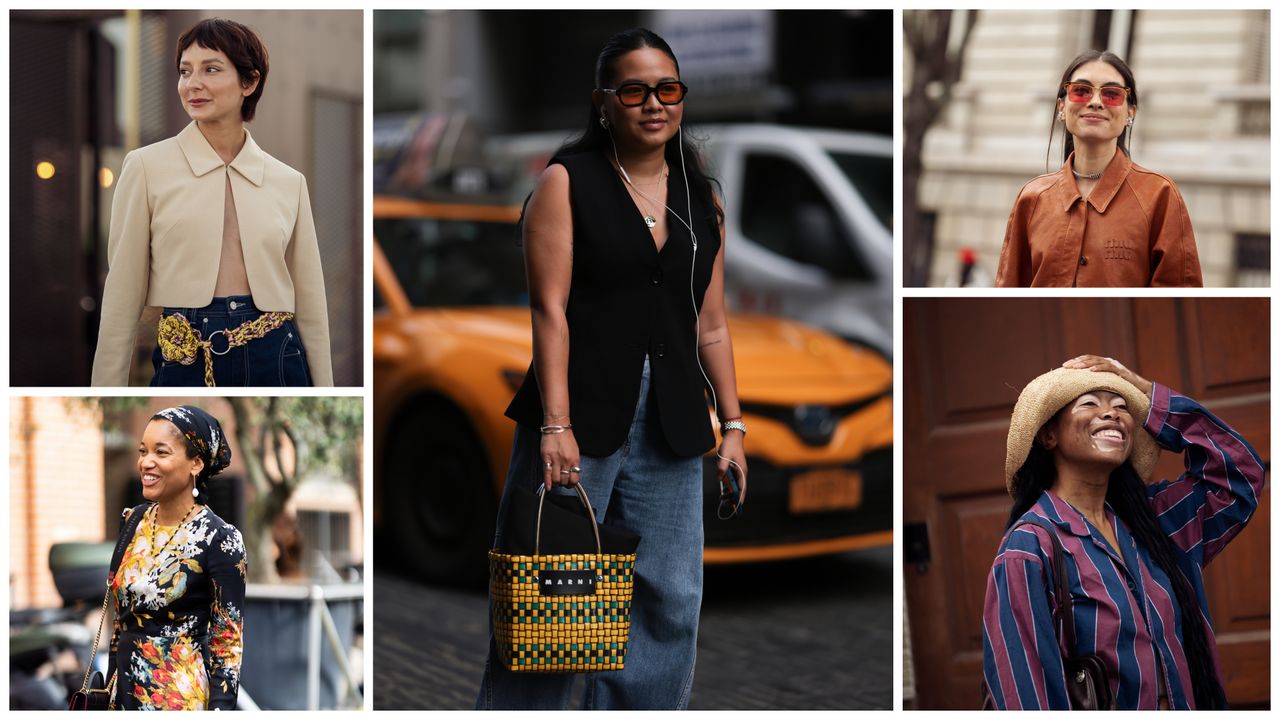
[{"x": 1124, "y": 607}]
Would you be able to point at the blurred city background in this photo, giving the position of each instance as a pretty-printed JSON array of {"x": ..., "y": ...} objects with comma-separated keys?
[
  {"x": 979, "y": 89},
  {"x": 960, "y": 394},
  {"x": 86, "y": 87},
  {"x": 293, "y": 489},
  {"x": 793, "y": 111}
]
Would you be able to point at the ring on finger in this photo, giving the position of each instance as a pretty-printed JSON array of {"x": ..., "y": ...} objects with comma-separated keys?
[
  {"x": 565, "y": 472},
  {"x": 547, "y": 466}
]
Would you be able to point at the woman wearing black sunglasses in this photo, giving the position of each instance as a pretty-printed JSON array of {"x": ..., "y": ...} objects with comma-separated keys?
[
  {"x": 623, "y": 241},
  {"x": 1101, "y": 220}
]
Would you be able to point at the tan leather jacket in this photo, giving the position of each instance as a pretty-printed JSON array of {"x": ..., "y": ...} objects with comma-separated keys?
[
  {"x": 1132, "y": 231},
  {"x": 166, "y": 242}
]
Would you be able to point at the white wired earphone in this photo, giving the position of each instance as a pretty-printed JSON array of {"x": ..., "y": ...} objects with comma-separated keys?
[{"x": 693, "y": 302}]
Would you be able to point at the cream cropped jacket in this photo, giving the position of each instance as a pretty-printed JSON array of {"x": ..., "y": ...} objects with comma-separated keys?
[{"x": 166, "y": 242}]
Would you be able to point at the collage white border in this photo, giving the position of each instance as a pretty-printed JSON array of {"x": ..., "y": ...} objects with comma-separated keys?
[{"x": 366, "y": 391}]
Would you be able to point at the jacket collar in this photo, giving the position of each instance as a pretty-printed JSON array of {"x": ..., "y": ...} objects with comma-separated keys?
[
  {"x": 251, "y": 162},
  {"x": 1108, "y": 185}
]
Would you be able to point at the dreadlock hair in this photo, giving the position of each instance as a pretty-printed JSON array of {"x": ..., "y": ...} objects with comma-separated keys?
[{"x": 1127, "y": 494}]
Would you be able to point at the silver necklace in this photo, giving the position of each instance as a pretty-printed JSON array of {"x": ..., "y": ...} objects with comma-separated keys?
[
  {"x": 1082, "y": 176},
  {"x": 649, "y": 220}
]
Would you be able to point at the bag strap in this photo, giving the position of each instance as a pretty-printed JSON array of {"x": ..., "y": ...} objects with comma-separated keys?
[
  {"x": 122, "y": 543},
  {"x": 131, "y": 526},
  {"x": 582, "y": 495},
  {"x": 1065, "y": 615}
]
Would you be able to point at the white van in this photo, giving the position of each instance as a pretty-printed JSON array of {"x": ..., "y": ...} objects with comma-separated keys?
[{"x": 807, "y": 221}]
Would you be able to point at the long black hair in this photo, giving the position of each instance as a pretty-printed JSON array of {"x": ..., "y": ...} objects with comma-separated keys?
[
  {"x": 1110, "y": 58},
  {"x": 1127, "y": 495},
  {"x": 596, "y": 138}
]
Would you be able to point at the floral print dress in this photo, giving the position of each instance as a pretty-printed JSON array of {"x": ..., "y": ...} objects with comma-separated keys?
[{"x": 179, "y": 595}]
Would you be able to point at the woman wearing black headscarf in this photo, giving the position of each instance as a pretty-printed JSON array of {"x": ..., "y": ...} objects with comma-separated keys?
[{"x": 178, "y": 583}]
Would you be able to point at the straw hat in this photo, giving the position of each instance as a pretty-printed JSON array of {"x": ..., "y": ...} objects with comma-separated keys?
[{"x": 1043, "y": 397}]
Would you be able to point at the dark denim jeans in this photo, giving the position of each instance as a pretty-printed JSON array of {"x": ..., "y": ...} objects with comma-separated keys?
[
  {"x": 649, "y": 490},
  {"x": 275, "y": 360}
]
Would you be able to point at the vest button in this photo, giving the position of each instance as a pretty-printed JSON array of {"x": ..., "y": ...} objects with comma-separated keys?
[
  {"x": 662, "y": 350},
  {"x": 656, "y": 277},
  {"x": 1084, "y": 260}
]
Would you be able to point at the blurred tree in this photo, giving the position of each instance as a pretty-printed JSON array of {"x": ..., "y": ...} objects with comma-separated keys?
[
  {"x": 937, "y": 59},
  {"x": 279, "y": 441},
  {"x": 321, "y": 433}
]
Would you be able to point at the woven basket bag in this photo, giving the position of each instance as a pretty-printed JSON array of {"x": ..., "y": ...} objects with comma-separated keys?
[{"x": 561, "y": 613}]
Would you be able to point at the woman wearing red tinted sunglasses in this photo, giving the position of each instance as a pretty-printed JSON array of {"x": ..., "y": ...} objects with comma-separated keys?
[{"x": 1101, "y": 220}]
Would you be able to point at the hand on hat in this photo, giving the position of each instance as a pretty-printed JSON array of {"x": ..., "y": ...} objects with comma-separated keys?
[{"x": 1096, "y": 363}]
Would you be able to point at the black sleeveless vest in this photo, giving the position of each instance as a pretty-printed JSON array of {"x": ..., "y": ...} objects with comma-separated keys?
[{"x": 628, "y": 300}]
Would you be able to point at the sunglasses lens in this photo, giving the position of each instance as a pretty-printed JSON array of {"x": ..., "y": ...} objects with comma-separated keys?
[
  {"x": 1079, "y": 93},
  {"x": 632, "y": 94},
  {"x": 1112, "y": 96},
  {"x": 670, "y": 93}
]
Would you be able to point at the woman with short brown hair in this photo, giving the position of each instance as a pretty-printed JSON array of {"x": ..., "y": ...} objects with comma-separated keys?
[{"x": 218, "y": 233}]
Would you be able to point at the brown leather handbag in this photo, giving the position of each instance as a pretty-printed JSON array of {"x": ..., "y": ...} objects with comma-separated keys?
[{"x": 1088, "y": 687}]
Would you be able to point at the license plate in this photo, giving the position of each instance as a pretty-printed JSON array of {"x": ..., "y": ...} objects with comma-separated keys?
[{"x": 825, "y": 491}]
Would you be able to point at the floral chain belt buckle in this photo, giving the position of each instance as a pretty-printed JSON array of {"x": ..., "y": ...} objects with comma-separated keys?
[{"x": 179, "y": 342}]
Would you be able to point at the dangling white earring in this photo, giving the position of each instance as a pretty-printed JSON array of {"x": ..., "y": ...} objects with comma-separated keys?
[
  {"x": 195, "y": 492},
  {"x": 1130, "y": 122},
  {"x": 1061, "y": 116}
]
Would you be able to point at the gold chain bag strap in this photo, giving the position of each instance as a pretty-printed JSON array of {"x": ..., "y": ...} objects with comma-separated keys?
[
  {"x": 561, "y": 613},
  {"x": 87, "y": 698},
  {"x": 180, "y": 342},
  {"x": 99, "y": 698}
]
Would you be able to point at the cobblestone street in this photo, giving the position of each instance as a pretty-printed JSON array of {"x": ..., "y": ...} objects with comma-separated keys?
[{"x": 808, "y": 634}]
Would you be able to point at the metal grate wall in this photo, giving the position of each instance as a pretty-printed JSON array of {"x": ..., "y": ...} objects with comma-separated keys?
[
  {"x": 336, "y": 184},
  {"x": 47, "y": 225}
]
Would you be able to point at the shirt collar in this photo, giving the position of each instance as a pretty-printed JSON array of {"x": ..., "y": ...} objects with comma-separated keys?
[
  {"x": 1066, "y": 516},
  {"x": 1108, "y": 185},
  {"x": 250, "y": 162},
  {"x": 1063, "y": 514}
]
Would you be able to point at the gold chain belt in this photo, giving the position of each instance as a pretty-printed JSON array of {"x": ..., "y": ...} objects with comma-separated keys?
[{"x": 180, "y": 342}]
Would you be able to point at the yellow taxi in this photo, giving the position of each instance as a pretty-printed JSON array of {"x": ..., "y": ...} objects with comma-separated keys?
[{"x": 452, "y": 341}]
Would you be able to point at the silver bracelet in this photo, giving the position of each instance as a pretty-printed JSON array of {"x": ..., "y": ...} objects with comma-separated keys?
[
  {"x": 733, "y": 425},
  {"x": 555, "y": 429}
]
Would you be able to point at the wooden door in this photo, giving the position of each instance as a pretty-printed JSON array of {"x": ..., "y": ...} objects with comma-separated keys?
[{"x": 966, "y": 360}]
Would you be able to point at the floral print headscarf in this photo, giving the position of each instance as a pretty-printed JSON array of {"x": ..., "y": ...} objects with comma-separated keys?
[{"x": 203, "y": 434}]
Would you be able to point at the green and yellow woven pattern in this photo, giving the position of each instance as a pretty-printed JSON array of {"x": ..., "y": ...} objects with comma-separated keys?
[{"x": 560, "y": 633}]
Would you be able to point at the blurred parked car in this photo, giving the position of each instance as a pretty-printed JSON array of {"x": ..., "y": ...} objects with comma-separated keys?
[
  {"x": 808, "y": 217},
  {"x": 452, "y": 342}
]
